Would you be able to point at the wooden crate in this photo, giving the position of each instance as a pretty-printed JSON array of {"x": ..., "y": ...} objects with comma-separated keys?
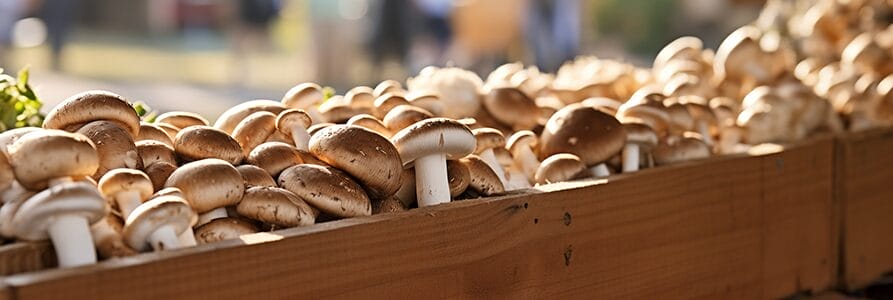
[
  {"x": 730, "y": 227},
  {"x": 865, "y": 194}
]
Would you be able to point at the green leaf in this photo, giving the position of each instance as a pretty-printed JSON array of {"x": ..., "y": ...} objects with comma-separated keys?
[{"x": 327, "y": 92}]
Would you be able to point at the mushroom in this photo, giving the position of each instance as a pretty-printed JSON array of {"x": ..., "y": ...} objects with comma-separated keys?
[
  {"x": 7, "y": 177},
  {"x": 152, "y": 132},
  {"x": 327, "y": 189},
  {"x": 340, "y": 113},
  {"x": 387, "y": 205},
  {"x": 638, "y": 137},
  {"x": 305, "y": 96},
  {"x": 187, "y": 238},
  {"x": 151, "y": 151},
  {"x": 459, "y": 89},
  {"x": 685, "y": 149},
  {"x": 483, "y": 180},
  {"x": 126, "y": 188},
  {"x": 515, "y": 178},
  {"x": 158, "y": 223},
  {"x": 705, "y": 120},
  {"x": 521, "y": 146},
  {"x": 201, "y": 142},
  {"x": 169, "y": 129},
  {"x": 13, "y": 198},
  {"x": 316, "y": 127},
  {"x": 511, "y": 107},
  {"x": 63, "y": 212},
  {"x": 369, "y": 122},
  {"x": 680, "y": 119},
  {"x": 254, "y": 130},
  {"x": 273, "y": 157},
  {"x": 406, "y": 193},
  {"x": 159, "y": 172},
  {"x": 114, "y": 146},
  {"x": 181, "y": 119},
  {"x": 232, "y": 116},
  {"x": 209, "y": 185},
  {"x": 486, "y": 140},
  {"x": 49, "y": 157},
  {"x": 682, "y": 48},
  {"x": 388, "y": 86},
  {"x": 108, "y": 237},
  {"x": 255, "y": 176},
  {"x": 458, "y": 177},
  {"x": 649, "y": 111},
  {"x": 592, "y": 135},
  {"x": 89, "y": 106},
  {"x": 560, "y": 167},
  {"x": 429, "y": 144},
  {"x": 362, "y": 153},
  {"x": 360, "y": 96},
  {"x": 275, "y": 206},
  {"x": 427, "y": 101},
  {"x": 404, "y": 115},
  {"x": 223, "y": 229},
  {"x": 607, "y": 105},
  {"x": 294, "y": 123},
  {"x": 384, "y": 103}
]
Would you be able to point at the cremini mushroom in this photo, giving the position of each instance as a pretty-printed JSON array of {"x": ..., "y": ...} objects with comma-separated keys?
[
  {"x": 232, "y": 116},
  {"x": 223, "y": 229},
  {"x": 181, "y": 119},
  {"x": 294, "y": 123},
  {"x": 360, "y": 96},
  {"x": 680, "y": 150},
  {"x": 201, "y": 142},
  {"x": 521, "y": 145},
  {"x": 114, "y": 146},
  {"x": 305, "y": 96},
  {"x": 327, "y": 189},
  {"x": 275, "y": 206},
  {"x": 370, "y": 122},
  {"x": 151, "y": 151},
  {"x": 458, "y": 177},
  {"x": 560, "y": 167},
  {"x": 48, "y": 157},
  {"x": 152, "y": 132},
  {"x": 483, "y": 180},
  {"x": 109, "y": 239},
  {"x": 273, "y": 157},
  {"x": 486, "y": 140},
  {"x": 592, "y": 135},
  {"x": 158, "y": 173},
  {"x": 512, "y": 108},
  {"x": 158, "y": 223},
  {"x": 404, "y": 115},
  {"x": 640, "y": 139},
  {"x": 384, "y": 103},
  {"x": 89, "y": 106},
  {"x": 126, "y": 188},
  {"x": 360, "y": 152},
  {"x": 255, "y": 176},
  {"x": 254, "y": 130},
  {"x": 387, "y": 205},
  {"x": 209, "y": 185}
]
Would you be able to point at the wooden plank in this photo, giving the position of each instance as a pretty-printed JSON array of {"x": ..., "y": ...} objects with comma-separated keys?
[
  {"x": 866, "y": 200},
  {"x": 21, "y": 257}
]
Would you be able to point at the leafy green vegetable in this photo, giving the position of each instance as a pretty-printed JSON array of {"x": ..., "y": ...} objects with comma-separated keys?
[
  {"x": 19, "y": 106},
  {"x": 327, "y": 92},
  {"x": 144, "y": 111}
]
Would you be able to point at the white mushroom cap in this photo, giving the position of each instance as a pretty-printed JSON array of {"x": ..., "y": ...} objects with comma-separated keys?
[
  {"x": 437, "y": 135},
  {"x": 36, "y": 214},
  {"x": 154, "y": 214}
]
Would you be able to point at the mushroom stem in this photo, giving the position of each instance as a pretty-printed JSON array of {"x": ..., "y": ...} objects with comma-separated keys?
[
  {"x": 216, "y": 213},
  {"x": 300, "y": 136},
  {"x": 490, "y": 159},
  {"x": 127, "y": 202},
  {"x": 525, "y": 158},
  {"x": 164, "y": 238},
  {"x": 517, "y": 180},
  {"x": 630, "y": 158},
  {"x": 72, "y": 240},
  {"x": 704, "y": 130},
  {"x": 600, "y": 170},
  {"x": 187, "y": 238},
  {"x": 432, "y": 185},
  {"x": 59, "y": 180}
]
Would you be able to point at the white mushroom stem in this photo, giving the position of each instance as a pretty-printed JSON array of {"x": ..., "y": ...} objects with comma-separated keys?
[
  {"x": 432, "y": 185},
  {"x": 72, "y": 240},
  {"x": 164, "y": 238},
  {"x": 704, "y": 130},
  {"x": 630, "y": 158},
  {"x": 187, "y": 238},
  {"x": 490, "y": 159},
  {"x": 216, "y": 213},
  {"x": 127, "y": 202},
  {"x": 525, "y": 158},
  {"x": 516, "y": 180},
  {"x": 300, "y": 136},
  {"x": 600, "y": 170}
]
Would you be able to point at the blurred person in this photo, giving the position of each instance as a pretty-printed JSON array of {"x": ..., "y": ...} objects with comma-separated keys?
[
  {"x": 435, "y": 34},
  {"x": 391, "y": 34},
  {"x": 486, "y": 32},
  {"x": 553, "y": 31},
  {"x": 10, "y": 12},
  {"x": 59, "y": 16},
  {"x": 251, "y": 32}
]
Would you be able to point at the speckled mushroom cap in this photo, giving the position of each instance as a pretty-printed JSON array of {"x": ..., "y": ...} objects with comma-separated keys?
[
  {"x": 458, "y": 177},
  {"x": 255, "y": 176},
  {"x": 7, "y": 138},
  {"x": 362, "y": 153},
  {"x": 388, "y": 86},
  {"x": 33, "y": 218},
  {"x": 114, "y": 146},
  {"x": 92, "y": 106},
  {"x": 170, "y": 130},
  {"x": 120, "y": 180},
  {"x": 685, "y": 149},
  {"x": 592, "y": 135},
  {"x": 221, "y": 229},
  {"x": 42, "y": 155},
  {"x": 360, "y": 96},
  {"x": 387, "y": 205},
  {"x": 200, "y": 142},
  {"x": 274, "y": 157},
  {"x": 152, "y": 132},
  {"x": 276, "y": 206},
  {"x": 437, "y": 135},
  {"x": 181, "y": 119},
  {"x": 231, "y": 117},
  {"x": 511, "y": 107},
  {"x": 640, "y": 134},
  {"x": 560, "y": 167},
  {"x": 483, "y": 179},
  {"x": 254, "y": 130},
  {"x": 384, "y": 103},
  {"x": 153, "y": 214},
  {"x": 6, "y": 175},
  {"x": 404, "y": 115},
  {"x": 159, "y": 172},
  {"x": 327, "y": 189},
  {"x": 487, "y": 138},
  {"x": 151, "y": 151},
  {"x": 208, "y": 184},
  {"x": 369, "y": 122},
  {"x": 303, "y": 95}
]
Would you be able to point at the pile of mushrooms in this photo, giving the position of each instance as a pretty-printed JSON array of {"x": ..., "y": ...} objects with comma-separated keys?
[{"x": 99, "y": 182}]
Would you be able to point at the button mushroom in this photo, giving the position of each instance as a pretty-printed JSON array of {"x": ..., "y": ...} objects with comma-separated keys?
[
  {"x": 254, "y": 130},
  {"x": 255, "y": 176},
  {"x": 483, "y": 180},
  {"x": 486, "y": 140},
  {"x": 560, "y": 167},
  {"x": 209, "y": 185},
  {"x": 89, "y": 106},
  {"x": 48, "y": 157},
  {"x": 327, "y": 189},
  {"x": 223, "y": 229},
  {"x": 521, "y": 146},
  {"x": 638, "y": 137},
  {"x": 181, "y": 119},
  {"x": 152, "y": 132},
  {"x": 273, "y": 157},
  {"x": 511, "y": 107},
  {"x": 458, "y": 177},
  {"x": 114, "y": 146},
  {"x": 201, "y": 142},
  {"x": 369, "y": 122},
  {"x": 126, "y": 188},
  {"x": 404, "y": 115},
  {"x": 151, "y": 151},
  {"x": 388, "y": 205},
  {"x": 158, "y": 173},
  {"x": 158, "y": 223},
  {"x": 232, "y": 116},
  {"x": 365, "y": 155},
  {"x": 275, "y": 206},
  {"x": 586, "y": 132},
  {"x": 294, "y": 123},
  {"x": 305, "y": 96}
]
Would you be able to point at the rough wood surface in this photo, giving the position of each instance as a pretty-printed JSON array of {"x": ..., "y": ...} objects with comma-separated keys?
[{"x": 20, "y": 257}]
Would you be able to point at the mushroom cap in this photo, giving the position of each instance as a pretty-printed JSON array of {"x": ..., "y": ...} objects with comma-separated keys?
[
  {"x": 278, "y": 136},
  {"x": 159, "y": 172},
  {"x": 274, "y": 157},
  {"x": 406, "y": 194},
  {"x": 740, "y": 55},
  {"x": 168, "y": 191},
  {"x": 114, "y": 146},
  {"x": 200, "y": 142},
  {"x": 208, "y": 184},
  {"x": 34, "y": 216},
  {"x": 42, "y": 155},
  {"x": 151, "y": 151},
  {"x": 7, "y": 177},
  {"x": 255, "y": 176},
  {"x": 291, "y": 117},
  {"x": 125, "y": 180},
  {"x": 7, "y": 138},
  {"x": 651, "y": 113},
  {"x": 523, "y": 138},
  {"x": 388, "y": 86},
  {"x": 487, "y": 138},
  {"x": 92, "y": 106},
  {"x": 153, "y": 214},
  {"x": 221, "y": 229},
  {"x": 170, "y": 130},
  {"x": 384, "y": 103},
  {"x": 685, "y": 149},
  {"x": 427, "y": 101},
  {"x": 181, "y": 119},
  {"x": 607, "y": 105},
  {"x": 152, "y": 132},
  {"x": 232, "y": 116},
  {"x": 436, "y": 135},
  {"x": 276, "y": 206},
  {"x": 592, "y": 135},
  {"x": 387, "y": 205},
  {"x": 511, "y": 107},
  {"x": 483, "y": 179},
  {"x": 370, "y": 122},
  {"x": 360, "y": 96},
  {"x": 404, "y": 115},
  {"x": 458, "y": 88},
  {"x": 342, "y": 112},
  {"x": 458, "y": 177},
  {"x": 560, "y": 167},
  {"x": 640, "y": 134},
  {"x": 680, "y": 119},
  {"x": 303, "y": 95},
  {"x": 367, "y": 156},
  {"x": 110, "y": 243},
  {"x": 686, "y": 47},
  {"x": 254, "y": 130},
  {"x": 327, "y": 189},
  {"x": 317, "y": 127}
]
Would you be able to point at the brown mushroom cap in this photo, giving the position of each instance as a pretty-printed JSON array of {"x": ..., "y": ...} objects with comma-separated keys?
[
  {"x": 40, "y": 156},
  {"x": 487, "y": 138},
  {"x": 388, "y": 86},
  {"x": 360, "y": 96},
  {"x": 274, "y": 157},
  {"x": 427, "y": 101},
  {"x": 159, "y": 172},
  {"x": 680, "y": 119},
  {"x": 607, "y": 105},
  {"x": 231, "y": 117},
  {"x": 92, "y": 106},
  {"x": 339, "y": 114},
  {"x": 275, "y": 206},
  {"x": 254, "y": 130},
  {"x": 362, "y": 153},
  {"x": 483, "y": 179},
  {"x": 208, "y": 184},
  {"x": 303, "y": 95},
  {"x": 523, "y": 138},
  {"x": 151, "y": 151},
  {"x": 404, "y": 115},
  {"x": 255, "y": 176},
  {"x": 152, "y": 132},
  {"x": 406, "y": 194},
  {"x": 181, "y": 119},
  {"x": 640, "y": 134},
  {"x": 170, "y": 130},
  {"x": 511, "y": 107},
  {"x": 221, "y": 229},
  {"x": 291, "y": 117},
  {"x": 200, "y": 142},
  {"x": 458, "y": 177},
  {"x": 584, "y": 131},
  {"x": 387, "y": 205},
  {"x": 560, "y": 167},
  {"x": 384, "y": 103},
  {"x": 685, "y": 149},
  {"x": 110, "y": 243},
  {"x": 125, "y": 180},
  {"x": 436, "y": 135},
  {"x": 114, "y": 146},
  {"x": 327, "y": 189},
  {"x": 369, "y": 122},
  {"x": 317, "y": 127}
]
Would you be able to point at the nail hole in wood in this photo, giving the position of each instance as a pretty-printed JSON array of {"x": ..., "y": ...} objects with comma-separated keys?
[{"x": 567, "y": 219}]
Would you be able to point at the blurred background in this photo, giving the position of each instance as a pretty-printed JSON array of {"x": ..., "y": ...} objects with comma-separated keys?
[{"x": 204, "y": 56}]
